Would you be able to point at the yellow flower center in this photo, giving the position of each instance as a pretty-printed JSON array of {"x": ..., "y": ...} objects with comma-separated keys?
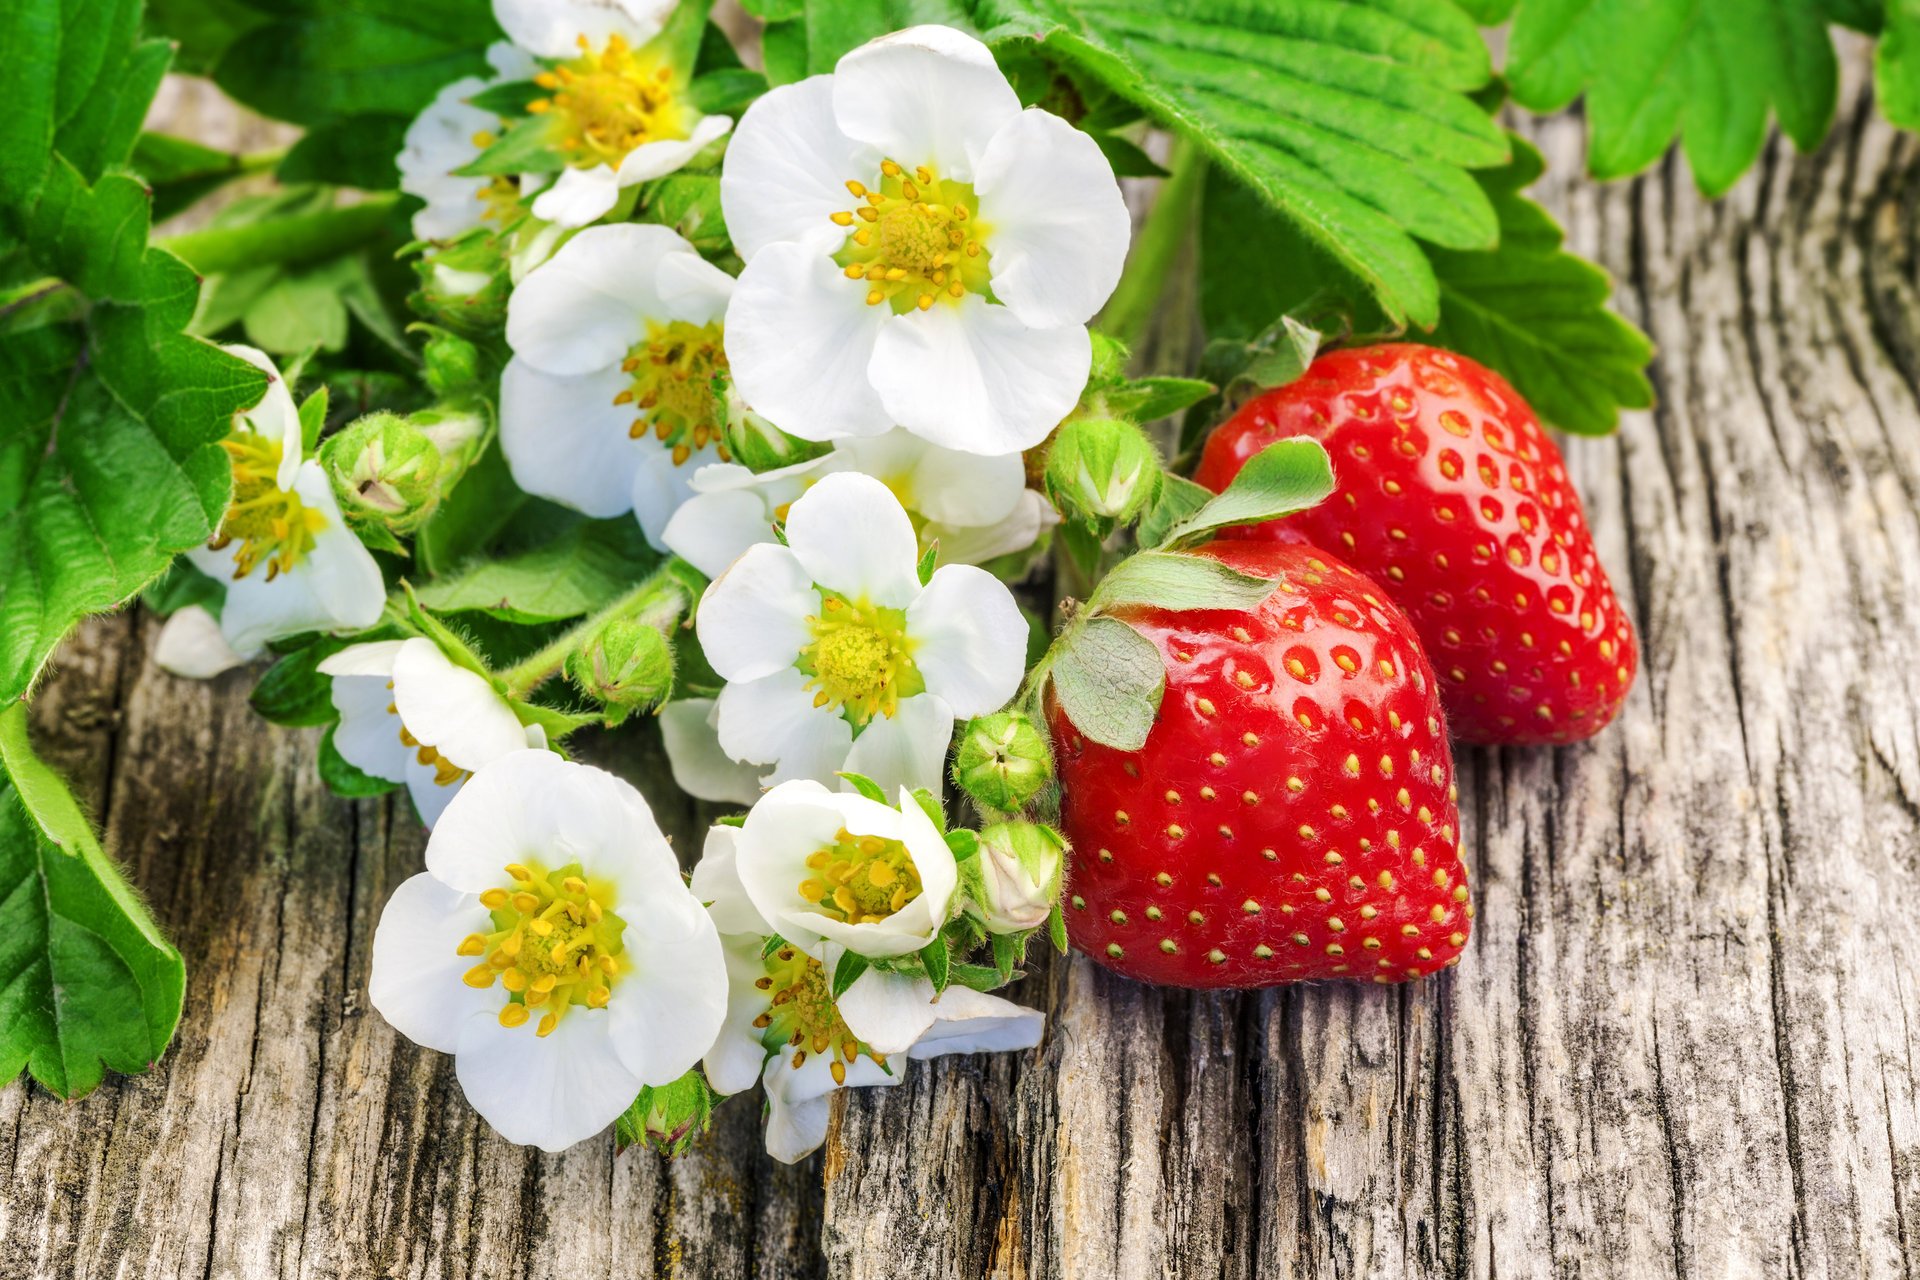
[
  {"x": 861, "y": 659},
  {"x": 606, "y": 104},
  {"x": 673, "y": 370},
  {"x": 916, "y": 239},
  {"x": 860, "y": 879},
  {"x": 803, "y": 1016},
  {"x": 273, "y": 526},
  {"x": 555, "y": 943}
]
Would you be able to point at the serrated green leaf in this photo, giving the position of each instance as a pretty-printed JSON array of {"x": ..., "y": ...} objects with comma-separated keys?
[
  {"x": 1109, "y": 679},
  {"x": 1896, "y": 64},
  {"x": 1709, "y": 71},
  {"x": 582, "y": 569},
  {"x": 316, "y": 63},
  {"x": 1351, "y": 120},
  {"x": 1286, "y": 476},
  {"x": 87, "y": 981},
  {"x": 1539, "y": 314},
  {"x": 1173, "y": 580}
]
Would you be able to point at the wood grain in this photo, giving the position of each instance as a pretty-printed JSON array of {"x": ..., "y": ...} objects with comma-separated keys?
[{"x": 1683, "y": 1043}]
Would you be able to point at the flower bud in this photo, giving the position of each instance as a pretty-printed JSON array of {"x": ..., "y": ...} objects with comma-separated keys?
[
  {"x": 1102, "y": 469},
  {"x": 451, "y": 364},
  {"x": 1020, "y": 866},
  {"x": 464, "y": 286},
  {"x": 755, "y": 443},
  {"x": 458, "y": 434},
  {"x": 1002, "y": 762},
  {"x": 385, "y": 470},
  {"x": 628, "y": 666},
  {"x": 668, "y": 1117}
]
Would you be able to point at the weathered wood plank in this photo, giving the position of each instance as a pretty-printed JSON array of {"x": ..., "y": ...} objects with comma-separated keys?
[{"x": 1682, "y": 1044}]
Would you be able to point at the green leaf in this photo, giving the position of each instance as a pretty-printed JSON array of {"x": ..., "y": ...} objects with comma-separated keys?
[
  {"x": 727, "y": 92},
  {"x": 1539, "y": 314},
  {"x": 1709, "y": 71},
  {"x": 1351, "y": 120},
  {"x": 293, "y": 692},
  {"x": 202, "y": 28},
  {"x": 1174, "y": 580},
  {"x": 316, "y": 63},
  {"x": 1285, "y": 477},
  {"x": 480, "y": 509},
  {"x": 356, "y": 152},
  {"x": 299, "y": 311},
  {"x": 527, "y": 146},
  {"x": 833, "y": 28},
  {"x": 937, "y": 961},
  {"x": 1488, "y": 13},
  {"x": 848, "y": 971},
  {"x": 1178, "y": 499},
  {"x": 667, "y": 1117},
  {"x": 1146, "y": 399},
  {"x": 182, "y": 585},
  {"x": 180, "y": 171},
  {"x": 579, "y": 571},
  {"x": 1896, "y": 64},
  {"x": 87, "y": 981},
  {"x": 1109, "y": 679},
  {"x": 344, "y": 779}
]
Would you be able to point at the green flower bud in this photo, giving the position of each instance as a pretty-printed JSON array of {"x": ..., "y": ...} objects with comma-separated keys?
[
  {"x": 385, "y": 470},
  {"x": 755, "y": 443},
  {"x": 1102, "y": 470},
  {"x": 1020, "y": 869},
  {"x": 1002, "y": 762},
  {"x": 668, "y": 1117},
  {"x": 628, "y": 666},
  {"x": 458, "y": 434},
  {"x": 452, "y": 365},
  {"x": 464, "y": 286}
]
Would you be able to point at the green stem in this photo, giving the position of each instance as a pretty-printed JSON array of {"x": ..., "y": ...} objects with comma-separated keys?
[
  {"x": 1133, "y": 302},
  {"x": 659, "y": 601},
  {"x": 301, "y": 238}
]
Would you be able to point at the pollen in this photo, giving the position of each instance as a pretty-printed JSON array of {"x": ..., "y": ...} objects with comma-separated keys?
[
  {"x": 860, "y": 661},
  {"x": 924, "y": 243},
  {"x": 578, "y": 956},
  {"x": 860, "y": 879},
  {"x": 606, "y": 103}
]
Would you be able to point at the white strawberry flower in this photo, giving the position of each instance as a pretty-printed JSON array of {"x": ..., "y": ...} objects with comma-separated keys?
[
  {"x": 919, "y": 251},
  {"x": 689, "y": 730},
  {"x": 553, "y": 948},
  {"x": 619, "y": 108},
  {"x": 973, "y": 507},
  {"x": 837, "y": 657},
  {"x": 410, "y": 715},
  {"x": 833, "y": 867},
  {"x": 784, "y": 1027},
  {"x": 289, "y": 561},
  {"x": 608, "y": 404},
  {"x": 449, "y": 134}
]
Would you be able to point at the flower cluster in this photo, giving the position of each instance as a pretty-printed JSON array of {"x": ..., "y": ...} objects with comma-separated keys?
[{"x": 762, "y": 458}]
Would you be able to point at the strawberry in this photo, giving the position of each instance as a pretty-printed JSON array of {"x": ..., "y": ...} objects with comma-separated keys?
[
  {"x": 1292, "y": 814},
  {"x": 1451, "y": 495}
]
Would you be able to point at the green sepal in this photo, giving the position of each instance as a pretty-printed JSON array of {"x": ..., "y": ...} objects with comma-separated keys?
[
  {"x": 553, "y": 722},
  {"x": 938, "y": 963},
  {"x": 726, "y": 92},
  {"x": 1109, "y": 680},
  {"x": 979, "y": 977},
  {"x": 963, "y": 843},
  {"x": 1009, "y": 950},
  {"x": 526, "y": 147},
  {"x": 847, "y": 971},
  {"x": 1177, "y": 581},
  {"x": 773, "y": 943},
  {"x": 866, "y": 786},
  {"x": 509, "y": 98},
  {"x": 1057, "y": 928},
  {"x": 668, "y": 1117},
  {"x": 432, "y": 628},
  {"x": 928, "y": 559},
  {"x": 313, "y": 415},
  {"x": 1146, "y": 399},
  {"x": 930, "y": 805}
]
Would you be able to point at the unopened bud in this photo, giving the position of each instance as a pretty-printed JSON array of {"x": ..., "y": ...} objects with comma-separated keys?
[
  {"x": 1102, "y": 469},
  {"x": 1020, "y": 866},
  {"x": 1002, "y": 762},
  {"x": 755, "y": 443},
  {"x": 458, "y": 435},
  {"x": 464, "y": 286},
  {"x": 668, "y": 1117},
  {"x": 384, "y": 469},
  {"x": 628, "y": 666},
  {"x": 450, "y": 364}
]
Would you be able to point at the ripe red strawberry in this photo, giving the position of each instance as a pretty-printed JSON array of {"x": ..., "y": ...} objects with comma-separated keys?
[
  {"x": 1292, "y": 814},
  {"x": 1452, "y": 497}
]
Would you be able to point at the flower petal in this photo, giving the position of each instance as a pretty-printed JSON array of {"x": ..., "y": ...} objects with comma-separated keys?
[
  {"x": 276, "y": 416},
  {"x": 970, "y": 640},
  {"x": 972, "y": 1021},
  {"x": 191, "y": 645},
  {"x": 941, "y": 484},
  {"x": 552, "y": 28},
  {"x": 335, "y": 587},
  {"x": 668, "y": 1011},
  {"x": 429, "y": 794},
  {"x": 693, "y": 289},
  {"x": 716, "y": 882},
  {"x": 928, "y": 95},
  {"x": 661, "y": 486},
  {"x": 734, "y": 1062},
  {"x": 971, "y": 376},
  {"x": 752, "y": 619},
  {"x": 700, "y": 767},
  {"x": 1060, "y": 226},
  {"x": 545, "y": 1091},
  {"x": 565, "y": 439},
  {"x": 658, "y": 158},
  {"x": 908, "y": 749},
  {"x": 452, "y": 709},
  {"x": 583, "y": 308},
  {"x": 438, "y": 141},
  {"x": 579, "y": 197},
  {"x": 773, "y": 721},
  {"x": 800, "y": 338},
  {"x": 786, "y": 171},
  {"x": 416, "y": 980},
  {"x": 368, "y": 735},
  {"x": 888, "y": 1011},
  {"x": 851, "y": 535},
  {"x": 798, "y": 1100},
  {"x": 712, "y": 530},
  {"x": 977, "y": 544}
]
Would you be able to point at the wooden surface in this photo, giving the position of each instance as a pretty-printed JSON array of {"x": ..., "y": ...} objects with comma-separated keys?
[{"x": 1683, "y": 1042}]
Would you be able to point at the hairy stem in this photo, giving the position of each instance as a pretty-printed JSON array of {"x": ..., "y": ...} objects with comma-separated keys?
[{"x": 660, "y": 600}]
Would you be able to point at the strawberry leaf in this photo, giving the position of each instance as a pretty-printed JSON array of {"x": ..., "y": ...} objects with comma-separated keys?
[
  {"x": 1539, "y": 314},
  {"x": 1896, "y": 64},
  {"x": 585, "y": 567},
  {"x": 1109, "y": 679},
  {"x": 1351, "y": 120},
  {"x": 87, "y": 981},
  {"x": 1171, "y": 580},
  {"x": 1709, "y": 71}
]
